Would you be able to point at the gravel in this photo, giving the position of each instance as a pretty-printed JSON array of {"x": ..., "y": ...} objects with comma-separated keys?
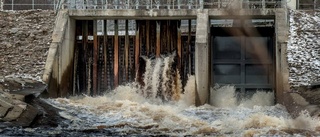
[{"x": 25, "y": 38}]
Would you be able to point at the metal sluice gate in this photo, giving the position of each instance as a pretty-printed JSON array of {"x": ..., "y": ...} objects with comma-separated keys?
[{"x": 107, "y": 52}]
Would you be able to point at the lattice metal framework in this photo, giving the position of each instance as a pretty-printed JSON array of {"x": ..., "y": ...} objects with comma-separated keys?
[{"x": 172, "y": 4}]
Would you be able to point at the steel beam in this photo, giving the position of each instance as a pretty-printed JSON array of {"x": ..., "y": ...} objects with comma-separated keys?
[{"x": 116, "y": 54}]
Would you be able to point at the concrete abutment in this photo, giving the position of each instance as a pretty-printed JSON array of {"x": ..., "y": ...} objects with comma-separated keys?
[{"x": 59, "y": 70}]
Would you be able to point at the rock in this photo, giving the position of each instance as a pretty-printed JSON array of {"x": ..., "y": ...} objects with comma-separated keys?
[
  {"x": 18, "y": 97},
  {"x": 4, "y": 108},
  {"x": 27, "y": 117},
  {"x": 14, "y": 30},
  {"x": 8, "y": 45},
  {"x": 15, "y": 112}
]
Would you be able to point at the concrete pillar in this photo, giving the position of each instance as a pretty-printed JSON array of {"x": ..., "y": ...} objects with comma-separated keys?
[
  {"x": 1, "y": 5},
  {"x": 282, "y": 69},
  {"x": 292, "y": 4},
  {"x": 202, "y": 58}
]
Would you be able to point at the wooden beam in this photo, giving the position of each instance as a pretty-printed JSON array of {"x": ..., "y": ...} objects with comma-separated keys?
[
  {"x": 116, "y": 54},
  {"x": 127, "y": 51},
  {"x": 95, "y": 59},
  {"x": 137, "y": 46},
  {"x": 158, "y": 46}
]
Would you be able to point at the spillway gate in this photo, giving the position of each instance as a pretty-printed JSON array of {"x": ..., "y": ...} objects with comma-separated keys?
[
  {"x": 96, "y": 48},
  {"x": 107, "y": 52}
]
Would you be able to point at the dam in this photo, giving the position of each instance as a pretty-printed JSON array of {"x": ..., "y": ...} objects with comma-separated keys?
[{"x": 99, "y": 45}]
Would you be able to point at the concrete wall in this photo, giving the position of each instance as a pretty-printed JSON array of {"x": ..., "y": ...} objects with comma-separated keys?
[
  {"x": 282, "y": 71},
  {"x": 57, "y": 69},
  {"x": 60, "y": 59},
  {"x": 303, "y": 48},
  {"x": 292, "y": 4},
  {"x": 1, "y": 5},
  {"x": 66, "y": 51}
]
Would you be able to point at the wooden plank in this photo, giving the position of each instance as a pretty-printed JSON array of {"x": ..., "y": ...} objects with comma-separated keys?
[
  {"x": 158, "y": 46},
  {"x": 148, "y": 37},
  {"x": 127, "y": 51},
  {"x": 137, "y": 46},
  {"x": 116, "y": 54},
  {"x": 95, "y": 59}
]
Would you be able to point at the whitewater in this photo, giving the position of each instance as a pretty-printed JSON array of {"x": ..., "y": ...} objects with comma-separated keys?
[{"x": 163, "y": 107}]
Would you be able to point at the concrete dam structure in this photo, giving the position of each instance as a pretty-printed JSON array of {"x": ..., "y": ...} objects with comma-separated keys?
[{"x": 99, "y": 45}]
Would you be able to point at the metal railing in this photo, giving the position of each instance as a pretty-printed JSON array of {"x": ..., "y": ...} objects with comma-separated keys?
[
  {"x": 308, "y": 5},
  {"x": 143, "y": 4},
  {"x": 29, "y": 4},
  {"x": 171, "y": 4},
  {"x": 1, "y": 5}
]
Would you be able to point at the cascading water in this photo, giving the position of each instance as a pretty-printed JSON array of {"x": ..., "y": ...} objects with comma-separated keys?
[
  {"x": 161, "y": 80},
  {"x": 157, "y": 107}
]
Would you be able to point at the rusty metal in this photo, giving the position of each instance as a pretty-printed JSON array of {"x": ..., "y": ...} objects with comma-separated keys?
[
  {"x": 95, "y": 59},
  {"x": 189, "y": 48},
  {"x": 158, "y": 49},
  {"x": 147, "y": 37},
  {"x": 105, "y": 49},
  {"x": 89, "y": 56},
  {"x": 127, "y": 50},
  {"x": 114, "y": 58},
  {"x": 168, "y": 41},
  {"x": 116, "y": 54},
  {"x": 137, "y": 47},
  {"x": 179, "y": 45}
]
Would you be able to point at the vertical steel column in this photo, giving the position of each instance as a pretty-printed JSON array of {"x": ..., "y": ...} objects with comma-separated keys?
[
  {"x": 168, "y": 36},
  {"x": 105, "y": 51},
  {"x": 32, "y": 4},
  {"x": 126, "y": 57},
  {"x": 116, "y": 54},
  {"x": 85, "y": 58},
  {"x": 158, "y": 46},
  {"x": 179, "y": 48},
  {"x": 189, "y": 46},
  {"x": 95, "y": 58},
  {"x": 263, "y": 4},
  {"x": 137, "y": 46},
  {"x": 147, "y": 37}
]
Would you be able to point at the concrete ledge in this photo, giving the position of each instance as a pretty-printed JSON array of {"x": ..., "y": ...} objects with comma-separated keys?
[{"x": 165, "y": 13}]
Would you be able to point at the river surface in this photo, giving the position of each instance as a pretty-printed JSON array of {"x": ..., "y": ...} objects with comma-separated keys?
[
  {"x": 125, "y": 111},
  {"x": 160, "y": 108}
]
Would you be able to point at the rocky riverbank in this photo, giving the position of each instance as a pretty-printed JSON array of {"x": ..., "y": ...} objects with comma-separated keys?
[{"x": 25, "y": 38}]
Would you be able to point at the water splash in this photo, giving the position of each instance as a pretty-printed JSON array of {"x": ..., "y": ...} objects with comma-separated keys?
[
  {"x": 139, "y": 109},
  {"x": 161, "y": 80}
]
